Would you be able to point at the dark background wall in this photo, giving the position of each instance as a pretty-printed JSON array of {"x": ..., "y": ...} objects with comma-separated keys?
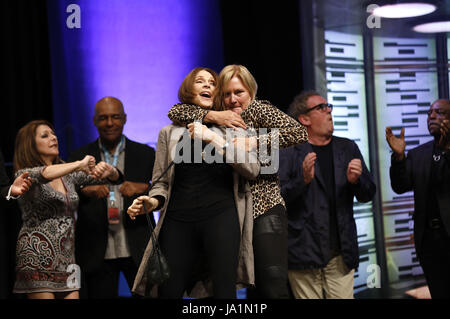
[
  {"x": 265, "y": 37},
  {"x": 26, "y": 68},
  {"x": 26, "y": 96},
  {"x": 262, "y": 36}
]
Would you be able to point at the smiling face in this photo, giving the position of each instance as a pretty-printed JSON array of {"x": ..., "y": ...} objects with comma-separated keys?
[
  {"x": 109, "y": 119},
  {"x": 236, "y": 96},
  {"x": 46, "y": 143},
  {"x": 434, "y": 119},
  {"x": 203, "y": 89}
]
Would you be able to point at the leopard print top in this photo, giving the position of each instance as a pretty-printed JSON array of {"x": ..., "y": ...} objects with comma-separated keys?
[{"x": 258, "y": 115}]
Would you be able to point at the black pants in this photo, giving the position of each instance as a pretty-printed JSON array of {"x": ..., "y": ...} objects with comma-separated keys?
[
  {"x": 271, "y": 260},
  {"x": 104, "y": 283},
  {"x": 435, "y": 262},
  {"x": 184, "y": 243}
]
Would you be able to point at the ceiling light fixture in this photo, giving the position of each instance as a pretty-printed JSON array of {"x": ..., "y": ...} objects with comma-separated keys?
[
  {"x": 433, "y": 27},
  {"x": 404, "y": 10}
]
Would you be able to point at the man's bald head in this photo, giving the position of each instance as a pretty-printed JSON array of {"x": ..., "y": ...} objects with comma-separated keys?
[
  {"x": 442, "y": 103},
  {"x": 109, "y": 118},
  {"x": 108, "y": 100},
  {"x": 438, "y": 112}
]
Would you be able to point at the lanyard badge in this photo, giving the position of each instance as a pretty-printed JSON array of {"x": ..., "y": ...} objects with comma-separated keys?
[
  {"x": 113, "y": 214},
  {"x": 113, "y": 210}
]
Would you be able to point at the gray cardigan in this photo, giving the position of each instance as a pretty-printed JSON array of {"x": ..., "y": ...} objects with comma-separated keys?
[{"x": 165, "y": 153}]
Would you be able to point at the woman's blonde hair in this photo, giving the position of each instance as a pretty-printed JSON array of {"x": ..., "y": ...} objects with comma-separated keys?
[
  {"x": 26, "y": 154},
  {"x": 225, "y": 76}
]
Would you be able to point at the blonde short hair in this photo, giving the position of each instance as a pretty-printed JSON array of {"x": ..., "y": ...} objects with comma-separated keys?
[{"x": 225, "y": 76}]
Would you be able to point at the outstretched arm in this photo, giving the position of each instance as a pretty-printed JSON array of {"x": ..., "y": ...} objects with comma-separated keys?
[
  {"x": 281, "y": 126},
  {"x": 52, "y": 172},
  {"x": 184, "y": 114}
]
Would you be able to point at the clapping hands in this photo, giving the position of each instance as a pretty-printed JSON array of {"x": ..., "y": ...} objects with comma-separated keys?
[
  {"x": 444, "y": 140},
  {"x": 397, "y": 145},
  {"x": 354, "y": 170}
]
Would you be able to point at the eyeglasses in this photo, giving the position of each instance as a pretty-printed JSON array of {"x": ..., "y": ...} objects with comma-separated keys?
[
  {"x": 321, "y": 107},
  {"x": 437, "y": 111}
]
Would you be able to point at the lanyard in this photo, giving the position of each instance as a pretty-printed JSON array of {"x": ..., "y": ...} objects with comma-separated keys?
[{"x": 118, "y": 150}]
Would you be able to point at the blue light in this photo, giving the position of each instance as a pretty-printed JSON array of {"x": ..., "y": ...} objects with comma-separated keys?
[{"x": 136, "y": 50}]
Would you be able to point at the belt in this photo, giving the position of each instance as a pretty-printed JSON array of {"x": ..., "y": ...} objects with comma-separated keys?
[{"x": 435, "y": 223}]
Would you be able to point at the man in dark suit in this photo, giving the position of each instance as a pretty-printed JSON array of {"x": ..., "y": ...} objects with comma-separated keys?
[
  {"x": 106, "y": 240},
  {"x": 319, "y": 180},
  {"x": 426, "y": 171}
]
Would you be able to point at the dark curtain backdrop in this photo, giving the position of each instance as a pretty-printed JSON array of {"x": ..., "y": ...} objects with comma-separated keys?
[
  {"x": 27, "y": 96},
  {"x": 264, "y": 36},
  {"x": 26, "y": 64},
  {"x": 260, "y": 35}
]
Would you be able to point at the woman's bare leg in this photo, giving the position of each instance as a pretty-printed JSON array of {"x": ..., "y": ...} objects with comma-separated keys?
[
  {"x": 72, "y": 295},
  {"x": 41, "y": 295}
]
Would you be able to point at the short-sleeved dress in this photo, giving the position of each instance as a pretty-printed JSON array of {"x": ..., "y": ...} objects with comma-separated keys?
[{"x": 45, "y": 250}]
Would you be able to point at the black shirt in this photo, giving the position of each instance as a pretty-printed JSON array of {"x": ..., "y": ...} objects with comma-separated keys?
[
  {"x": 200, "y": 190},
  {"x": 326, "y": 164},
  {"x": 432, "y": 202}
]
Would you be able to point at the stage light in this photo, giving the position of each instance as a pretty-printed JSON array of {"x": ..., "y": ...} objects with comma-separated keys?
[
  {"x": 404, "y": 10},
  {"x": 433, "y": 27}
]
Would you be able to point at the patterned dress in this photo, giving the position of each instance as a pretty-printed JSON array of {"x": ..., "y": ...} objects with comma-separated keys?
[{"x": 45, "y": 251}]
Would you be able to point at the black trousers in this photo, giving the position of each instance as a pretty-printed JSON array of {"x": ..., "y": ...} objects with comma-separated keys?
[
  {"x": 104, "y": 283},
  {"x": 270, "y": 246},
  {"x": 184, "y": 243},
  {"x": 435, "y": 262}
]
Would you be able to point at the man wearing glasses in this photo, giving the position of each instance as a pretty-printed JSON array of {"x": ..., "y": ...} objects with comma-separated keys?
[
  {"x": 319, "y": 180},
  {"x": 426, "y": 171}
]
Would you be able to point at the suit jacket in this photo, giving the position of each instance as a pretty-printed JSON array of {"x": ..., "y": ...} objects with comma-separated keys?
[
  {"x": 413, "y": 174},
  {"x": 91, "y": 232},
  {"x": 308, "y": 210},
  {"x": 165, "y": 153}
]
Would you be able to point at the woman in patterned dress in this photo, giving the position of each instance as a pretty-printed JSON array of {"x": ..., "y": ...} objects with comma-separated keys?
[
  {"x": 45, "y": 260},
  {"x": 236, "y": 89}
]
